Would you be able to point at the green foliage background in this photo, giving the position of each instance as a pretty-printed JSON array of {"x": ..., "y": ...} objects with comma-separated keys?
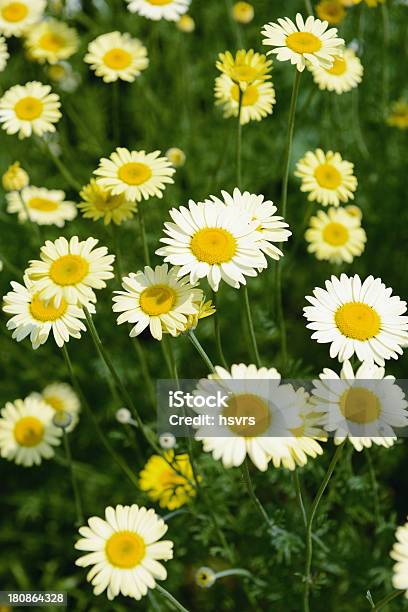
[{"x": 172, "y": 104}]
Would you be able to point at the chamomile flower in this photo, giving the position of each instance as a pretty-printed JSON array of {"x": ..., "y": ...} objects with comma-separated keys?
[
  {"x": 135, "y": 174},
  {"x": 270, "y": 228},
  {"x": 176, "y": 157},
  {"x": 29, "y": 109},
  {"x": 211, "y": 240},
  {"x": 44, "y": 206},
  {"x": 124, "y": 551},
  {"x": 71, "y": 270},
  {"x": 4, "y": 54},
  {"x": 400, "y": 554},
  {"x": 356, "y": 317},
  {"x": 331, "y": 10},
  {"x": 326, "y": 177},
  {"x": 98, "y": 203},
  {"x": 15, "y": 178},
  {"x": 116, "y": 56},
  {"x": 27, "y": 435},
  {"x": 51, "y": 41},
  {"x": 17, "y": 15},
  {"x": 171, "y": 10},
  {"x": 398, "y": 116},
  {"x": 63, "y": 400},
  {"x": 252, "y": 393},
  {"x": 245, "y": 67},
  {"x": 35, "y": 317},
  {"x": 257, "y": 100},
  {"x": 168, "y": 480},
  {"x": 345, "y": 74},
  {"x": 243, "y": 12},
  {"x": 157, "y": 299},
  {"x": 304, "y": 42},
  {"x": 335, "y": 236},
  {"x": 360, "y": 406},
  {"x": 186, "y": 24}
]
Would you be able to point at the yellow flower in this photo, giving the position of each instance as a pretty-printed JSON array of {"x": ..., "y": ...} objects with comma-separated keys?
[
  {"x": 15, "y": 178},
  {"x": 171, "y": 486},
  {"x": 245, "y": 68},
  {"x": 98, "y": 203},
  {"x": 176, "y": 156},
  {"x": 331, "y": 10},
  {"x": 399, "y": 115},
  {"x": 51, "y": 41},
  {"x": 205, "y": 309},
  {"x": 243, "y": 12},
  {"x": 186, "y": 24}
]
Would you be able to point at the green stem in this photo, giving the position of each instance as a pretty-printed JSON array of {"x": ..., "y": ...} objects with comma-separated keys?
[
  {"x": 217, "y": 332},
  {"x": 236, "y": 571},
  {"x": 309, "y": 526},
  {"x": 63, "y": 169},
  {"x": 126, "y": 470},
  {"x": 251, "y": 329},
  {"x": 385, "y": 59},
  {"x": 308, "y": 6},
  {"x": 197, "y": 345},
  {"x": 386, "y": 600},
  {"x": 239, "y": 139},
  {"x": 145, "y": 245},
  {"x": 374, "y": 488},
  {"x": 13, "y": 269},
  {"x": 116, "y": 112},
  {"x": 75, "y": 488},
  {"x": 29, "y": 219},
  {"x": 251, "y": 490},
  {"x": 137, "y": 346},
  {"x": 299, "y": 497},
  {"x": 172, "y": 600}
]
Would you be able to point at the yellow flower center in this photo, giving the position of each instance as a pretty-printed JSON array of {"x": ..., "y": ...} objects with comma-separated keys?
[
  {"x": 244, "y": 73},
  {"x": 134, "y": 173},
  {"x": 29, "y": 108},
  {"x": 250, "y": 95},
  {"x": 360, "y": 405},
  {"x": 358, "y": 321},
  {"x": 29, "y": 431},
  {"x": 125, "y": 549},
  {"x": 214, "y": 245},
  {"x": 14, "y": 12},
  {"x": 339, "y": 67},
  {"x": 327, "y": 176},
  {"x": 69, "y": 270},
  {"x": 335, "y": 234},
  {"x": 303, "y": 42},
  {"x": 248, "y": 405},
  {"x": 157, "y": 300},
  {"x": 110, "y": 202},
  {"x": 55, "y": 402},
  {"x": 51, "y": 42},
  {"x": 159, "y": 2},
  {"x": 43, "y": 204},
  {"x": 117, "y": 59},
  {"x": 46, "y": 311}
]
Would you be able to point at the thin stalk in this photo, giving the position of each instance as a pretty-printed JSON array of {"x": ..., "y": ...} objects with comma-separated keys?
[
  {"x": 251, "y": 490},
  {"x": 309, "y": 526},
  {"x": 308, "y": 6},
  {"x": 118, "y": 267},
  {"x": 116, "y": 112},
  {"x": 75, "y": 488},
  {"x": 251, "y": 329},
  {"x": 386, "y": 600},
  {"x": 7, "y": 264},
  {"x": 236, "y": 571},
  {"x": 374, "y": 488},
  {"x": 63, "y": 169},
  {"x": 137, "y": 346},
  {"x": 172, "y": 600},
  {"x": 197, "y": 345},
  {"x": 29, "y": 219},
  {"x": 385, "y": 59},
  {"x": 140, "y": 214},
  {"x": 239, "y": 138},
  {"x": 299, "y": 497},
  {"x": 118, "y": 460},
  {"x": 217, "y": 332}
]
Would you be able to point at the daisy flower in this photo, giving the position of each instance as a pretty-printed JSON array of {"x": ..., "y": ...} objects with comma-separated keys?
[
  {"x": 186, "y": 24},
  {"x": 51, "y": 41},
  {"x": 398, "y": 116},
  {"x": 29, "y": 109},
  {"x": 172, "y": 488},
  {"x": 156, "y": 299},
  {"x": 44, "y": 206},
  {"x": 62, "y": 399},
  {"x": 15, "y": 178},
  {"x": 250, "y": 391},
  {"x": 360, "y": 318},
  {"x": 35, "y": 317},
  {"x": 326, "y": 177},
  {"x": 124, "y": 551},
  {"x": 335, "y": 236},
  {"x": 270, "y": 228},
  {"x": 98, "y": 203},
  {"x": 360, "y": 405},
  {"x": 256, "y": 102},
  {"x": 17, "y": 15},
  {"x": 27, "y": 435},
  {"x": 116, "y": 56},
  {"x": 345, "y": 74},
  {"x": 171, "y": 10},
  {"x": 245, "y": 68},
  {"x": 176, "y": 157},
  {"x": 304, "y": 42},
  {"x": 243, "y": 12},
  {"x": 71, "y": 270},
  {"x": 331, "y": 10},
  {"x": 4, "y": 54},
  {"x": 400, "y": 554},
  {"x": 210, "y": 240},
  {"x": 135, "y": 174}
]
